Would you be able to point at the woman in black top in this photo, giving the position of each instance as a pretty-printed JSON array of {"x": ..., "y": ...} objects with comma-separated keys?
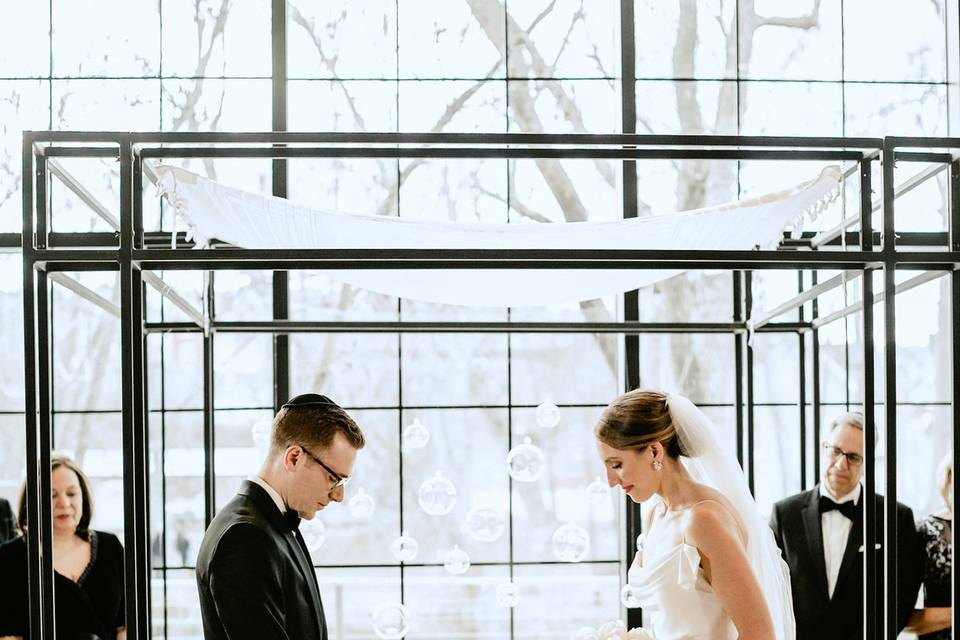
[
  {"x": 88, "y": 567},
  {"x": 933, "y": 621}
]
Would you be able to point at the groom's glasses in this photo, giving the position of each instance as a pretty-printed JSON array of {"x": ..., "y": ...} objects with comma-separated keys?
[
  {"x": 337, "y": 479},
  {"x": 853, "y": 459}
]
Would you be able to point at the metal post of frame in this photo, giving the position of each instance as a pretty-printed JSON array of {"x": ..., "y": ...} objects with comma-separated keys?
[
  {"x": 739, "y": 346},
  {"x": 631, "y": 299},
  {"x": 815, "y": 356},
  {"x": 802, "y": 353},
  {"x": 954, "y": 240},
  {"x": 36, "y": 425},
  {"x": 133, "y": 424},
  {"x": 890, "y": 393},
  {"x": 209, "y": 415},
  {"x": 281, "y": 342},
  {"x": 870, "y": 585},
  {"x": 750, "y": 436}
]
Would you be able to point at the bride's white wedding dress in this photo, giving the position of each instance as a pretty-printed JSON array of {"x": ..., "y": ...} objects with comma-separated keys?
[{"x": 678, "y": 602}]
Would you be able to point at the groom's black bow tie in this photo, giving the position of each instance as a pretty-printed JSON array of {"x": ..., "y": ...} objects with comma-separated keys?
[
  {"x": 849, "y": 508},
  {"x": 292, "y": 519}
]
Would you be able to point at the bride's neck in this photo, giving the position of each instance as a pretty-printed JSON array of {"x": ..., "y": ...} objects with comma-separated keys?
[{"x": 676, "y": 485}]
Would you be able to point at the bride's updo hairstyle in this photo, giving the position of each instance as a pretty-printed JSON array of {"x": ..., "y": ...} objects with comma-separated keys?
[{"x": 638, "y": 419}]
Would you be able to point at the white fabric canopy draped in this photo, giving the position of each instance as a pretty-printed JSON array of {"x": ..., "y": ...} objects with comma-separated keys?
[{"x": 255, "y": 221}]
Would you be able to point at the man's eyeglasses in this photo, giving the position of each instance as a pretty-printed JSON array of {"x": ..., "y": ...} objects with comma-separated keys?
[
  {"x": 337, "y": 479},
  {"x": 853, "y": 459}
]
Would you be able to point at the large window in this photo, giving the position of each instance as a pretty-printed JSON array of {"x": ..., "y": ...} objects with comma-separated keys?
[{"x": 857, "y": 68}]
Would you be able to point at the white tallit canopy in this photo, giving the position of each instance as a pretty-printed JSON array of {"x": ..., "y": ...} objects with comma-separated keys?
[{"x": 255, "y": 221}]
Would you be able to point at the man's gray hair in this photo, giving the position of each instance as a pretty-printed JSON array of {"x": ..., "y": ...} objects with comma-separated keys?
[{"x": 853, "y": 419}]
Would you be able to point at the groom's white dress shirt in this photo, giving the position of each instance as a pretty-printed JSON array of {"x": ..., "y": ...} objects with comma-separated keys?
[
  {"x": 836, "y": 529},
  {"x": 277, "y": 500}
]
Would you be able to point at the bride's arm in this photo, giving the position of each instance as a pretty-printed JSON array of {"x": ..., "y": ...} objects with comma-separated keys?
[{"x": 713, "y": 531}]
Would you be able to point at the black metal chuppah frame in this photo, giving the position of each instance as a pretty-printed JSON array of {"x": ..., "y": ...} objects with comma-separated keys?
[{"x": 46, "y": 255}]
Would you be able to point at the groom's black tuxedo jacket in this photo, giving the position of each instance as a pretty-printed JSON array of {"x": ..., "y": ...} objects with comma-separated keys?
[
  {"x": 255, "y": 576},
  {"x": 796, "y": 524}
]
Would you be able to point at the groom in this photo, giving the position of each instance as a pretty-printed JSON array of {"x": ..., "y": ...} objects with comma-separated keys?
[
  {"x": 254, "y": 572},
  {"x": 820, "y": 533}
]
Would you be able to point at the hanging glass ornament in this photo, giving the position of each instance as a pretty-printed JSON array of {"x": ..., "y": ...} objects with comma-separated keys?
[
  {"x": 361, "y": 505},
  {"x": 415, "y": 435},
  {"x": 260, "y": 432},
  {"x": 507, "y": 594},
  {"x": 391, "y": 621},
  {"x": 548, "y": 415},
  {"x": 598, "y": 493},
  {"x": 456, "y": 561},
  {"x": 314, "y": 533},
  {"x": 437, "y": 495},
  {"x": 405, "y": 548},
  {"x": 485, "y": 524},
  {"x": 570, "y": 543},
  {"x": 525, "y": 462},
  {"x": 630, "y": 596}
]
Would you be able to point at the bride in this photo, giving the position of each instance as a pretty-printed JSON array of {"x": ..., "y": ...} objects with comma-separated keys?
[{"x": 709, "y": 567}]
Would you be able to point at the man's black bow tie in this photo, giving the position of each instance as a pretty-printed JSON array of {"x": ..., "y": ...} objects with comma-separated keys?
[
  {"x": 292, "y": 519},
  {"x": 849, "y": 508}
]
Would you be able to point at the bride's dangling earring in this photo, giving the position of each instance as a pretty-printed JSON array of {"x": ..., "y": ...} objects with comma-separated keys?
[{"x": 657, "y": 465}]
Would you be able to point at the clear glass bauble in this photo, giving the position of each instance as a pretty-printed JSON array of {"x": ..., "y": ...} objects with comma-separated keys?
[
  {"x": 391, "y": 621},
  {"x": 598, "y": 493},
  {"x": 570, "y": 543},
  {"x": 630, "y": 596},
  {"x": 361, "y": 505},
  {"x": 260, "y": 432},
  {"x": 485, "y": 524},
  {"x": 525, "y": 462},
  {"x": 456, "y": 561},
  {"x": 548, "y": 415},
  {"x": 507, "y": 594},
  {"x": 415, "y": 436},
  {"x": 405, "y": 547},
  {"x": 437, "y": 496},
  {"x": 314, "y": 533}
]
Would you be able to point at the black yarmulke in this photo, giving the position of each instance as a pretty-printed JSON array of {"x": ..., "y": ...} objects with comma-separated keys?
[{"x": 309, "y": 400}]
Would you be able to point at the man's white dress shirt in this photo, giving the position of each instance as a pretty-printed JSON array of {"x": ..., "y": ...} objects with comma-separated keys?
[{"x": 836, "y": 529}]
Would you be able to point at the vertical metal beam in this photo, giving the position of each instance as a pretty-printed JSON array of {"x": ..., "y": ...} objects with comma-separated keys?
[
  {"x": 209, "y": 469},
  {"x": 815, "y": 338},
  {"x": 802, "y": 353},
  {"x": 133, "y": 518},
  {"x": 140, "y": 436},
  {"x": 955, "y": 343},
  {"x": 872, "y": 622},
  {"x": 631, "y": 299},
  {"x": 890, "y": 413},
  {"x": 45, "y": 437},
  {"x": 42, "y": 187},
  {"x": 954, "y": 229},
  {"x": 739, "y": 345},
  {"x": 751, "y": 433},
  {"x": 281, "y": 343}
]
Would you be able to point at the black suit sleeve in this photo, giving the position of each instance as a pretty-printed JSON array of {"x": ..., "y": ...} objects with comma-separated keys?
[
  {"x": 909, "y": 565},
  {"x": 245, "y": 581},
  {"x": 777, "y": 531},
  {"x": 8, "y": 529}
]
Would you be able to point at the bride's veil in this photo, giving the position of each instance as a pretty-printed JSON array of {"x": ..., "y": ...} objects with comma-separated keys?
[{"x": 713, "y": 465}]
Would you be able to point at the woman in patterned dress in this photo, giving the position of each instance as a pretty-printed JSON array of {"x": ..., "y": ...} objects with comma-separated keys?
[{"x": 933, "y": 621}]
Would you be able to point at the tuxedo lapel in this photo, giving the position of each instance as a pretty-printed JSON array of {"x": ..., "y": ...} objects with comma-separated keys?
[
  {"x": 854, "y": 550},
  {"x": 814, "y": 531},
  {"x": 299, "y": 551}
]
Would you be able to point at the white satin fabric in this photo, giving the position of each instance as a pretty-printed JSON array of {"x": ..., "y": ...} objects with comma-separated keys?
[
  {"x": 255, "y": 221},
  {"x": 678, "y": 602}
]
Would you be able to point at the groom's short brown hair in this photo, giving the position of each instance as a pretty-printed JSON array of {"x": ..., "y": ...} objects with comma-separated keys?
[{"x": 313, "y": 424}]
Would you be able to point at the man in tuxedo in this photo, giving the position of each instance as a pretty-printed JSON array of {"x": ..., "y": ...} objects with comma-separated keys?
[
  {"x": 8, "y": 528},
  {"x": 254, "y": 572},
  {"x": 820, "y": 533}
]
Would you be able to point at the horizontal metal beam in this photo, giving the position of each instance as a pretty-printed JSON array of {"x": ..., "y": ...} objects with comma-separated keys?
[
  {"x": 170, "y": 294},
  {"x": 315, "y": 326},
  {"x": 140, "y": 138},
  {"x": 500, "y": 153}
]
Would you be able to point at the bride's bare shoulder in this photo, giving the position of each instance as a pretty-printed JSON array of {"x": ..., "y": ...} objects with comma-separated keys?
[{"x": 711, "y": 517}]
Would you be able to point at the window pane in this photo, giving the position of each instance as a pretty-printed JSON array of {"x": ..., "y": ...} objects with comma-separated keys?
[{"x": 96, "y": 47}]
